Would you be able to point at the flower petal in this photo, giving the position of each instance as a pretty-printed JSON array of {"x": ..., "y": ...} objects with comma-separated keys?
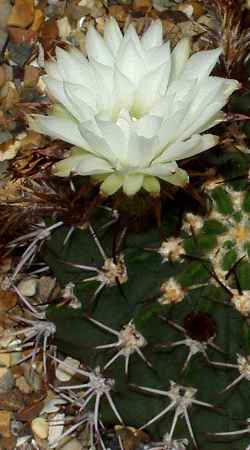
[
  {"x": 125, "y": 123},
  {"x": 74, "y": 69},
  {"x": 179, "y": 95},
  {"x": 158, "y": 56},
  {"x": 152, "y": 85},
  {"x": 132, "y": 36},
  {"x": 61, "y": 112},
  {"x": 78, "y": 55},
  {"x": 153, "y": 36},
  {"x": 111, "y": 184},
  {"x": 65, "y": 167},
  {"x": 92, "y": 165},
  {"x": 58, "y": 128},
  {"x": 97, "y": 143},
  {"x": 207, "y": 141},
  {"x": 130, "y": 63},
  {"x": 179, "y": 57},
  {"x": 180, "y": 178},
  {"x": 169, "y": 130},
  {"x": 132, "y": 183},
  {"x": 56, "y": 90},
  {"x": 212, "y": 122},
  {"x": 208, "y": 90},
  {"x": 148, "y": 126},
  {"x": 202, "y": 103},
  {"x": 193, "y": 146},
  {"x": 179, "y": 149},
  {"x": 123, "y": 92},
  {"x": 140, "y": 150},
  {"x": 71, "y": 97},
  {"x": 97, "y": 48},
  {"x": 52, "y": 69},
  {"x": 152, "y": 185},
  {"x": 104, "y": 98},
  {"x": 82, "y": 99},
  {"x": 161, "y": 170},
  {"x": 115, "y": 139},
  {"x": 104, "y": 86},
  {"x": 82, "y": 163},
  {"x": 112, "y": 35},
  {"x": 105, "y": 73},
  {"x": 201, "y": 64},
  {"x": 230, "y": 86},
  {"x": 203, "y": 118}
]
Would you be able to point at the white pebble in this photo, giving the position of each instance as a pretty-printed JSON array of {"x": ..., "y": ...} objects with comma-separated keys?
[
  {"x": 65, "y": 373},
  {"x": 40, "y": 428},
  {"x": 28, "y": 287}
]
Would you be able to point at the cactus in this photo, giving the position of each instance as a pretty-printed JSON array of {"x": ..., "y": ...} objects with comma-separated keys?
[
  {"x": 164, "y": 322},
  {"x": 146, "y": 298}
]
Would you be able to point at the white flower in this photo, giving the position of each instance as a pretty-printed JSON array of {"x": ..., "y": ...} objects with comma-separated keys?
[{"x": 133, "y": 108}]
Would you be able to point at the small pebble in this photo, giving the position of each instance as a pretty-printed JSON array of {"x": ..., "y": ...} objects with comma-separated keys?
[
  {"x": 73, "y": 444},
  {"x": 46, "y": 284},
  {"x": 5, "y": 423},
  {"x": 65, "y": 374},
  {"x": 6, "y": 264},
  {"x": 22, "y": 14},
  {"x": 2, "y": 76},
  {"x": 55, "y": 433},
  {"x": 6, "y": 380},
  {"x": 52, "y": 404},
  {"x": 31, "y": 141},
  {"x": 20, "y": 53},
  {"x": 187, "y": 9},
  {"x": 5, "y": 359},
  {"x": 198, "y": 7},
  {"x": 28, "y": 287},
  {"x": 8, "y": 150},
  {"x": 31, "y": 76},
  {"x": 23, "y": 386},
  {"x": 32, "y": 377},
  {"x": 5, "y": 8},
  {"x": 8, "y": 71},
  {"x": 5, "y": 136},
  {"x": 40, "y": 428},
  {"x": 14, "y": 401},
  {"x": 64, "y": 28},
  {"x": 38, "y": 20},
  {"x": 118, "y": 12},
  {"x": 3, "y": 39},
  {"x": 142, "y": 5}
]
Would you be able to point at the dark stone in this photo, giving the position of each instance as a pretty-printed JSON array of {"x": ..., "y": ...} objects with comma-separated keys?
[
  {"x": 5, "y": 136},
  {"x": 20, "y": 53},
  {"x": 3, "y": 39}
]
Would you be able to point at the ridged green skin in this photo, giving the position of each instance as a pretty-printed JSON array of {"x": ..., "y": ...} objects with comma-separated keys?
[{"x": 138, "y": 299}]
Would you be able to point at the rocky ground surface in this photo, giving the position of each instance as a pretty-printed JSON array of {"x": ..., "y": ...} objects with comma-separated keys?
[{"x": 32, "y": 413}]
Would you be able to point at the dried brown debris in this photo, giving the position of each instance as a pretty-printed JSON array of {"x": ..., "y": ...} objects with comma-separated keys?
[{"x": 229, "y": 28}]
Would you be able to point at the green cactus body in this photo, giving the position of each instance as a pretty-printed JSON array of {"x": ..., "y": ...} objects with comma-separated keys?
[{"x": 174, "y": 292}]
